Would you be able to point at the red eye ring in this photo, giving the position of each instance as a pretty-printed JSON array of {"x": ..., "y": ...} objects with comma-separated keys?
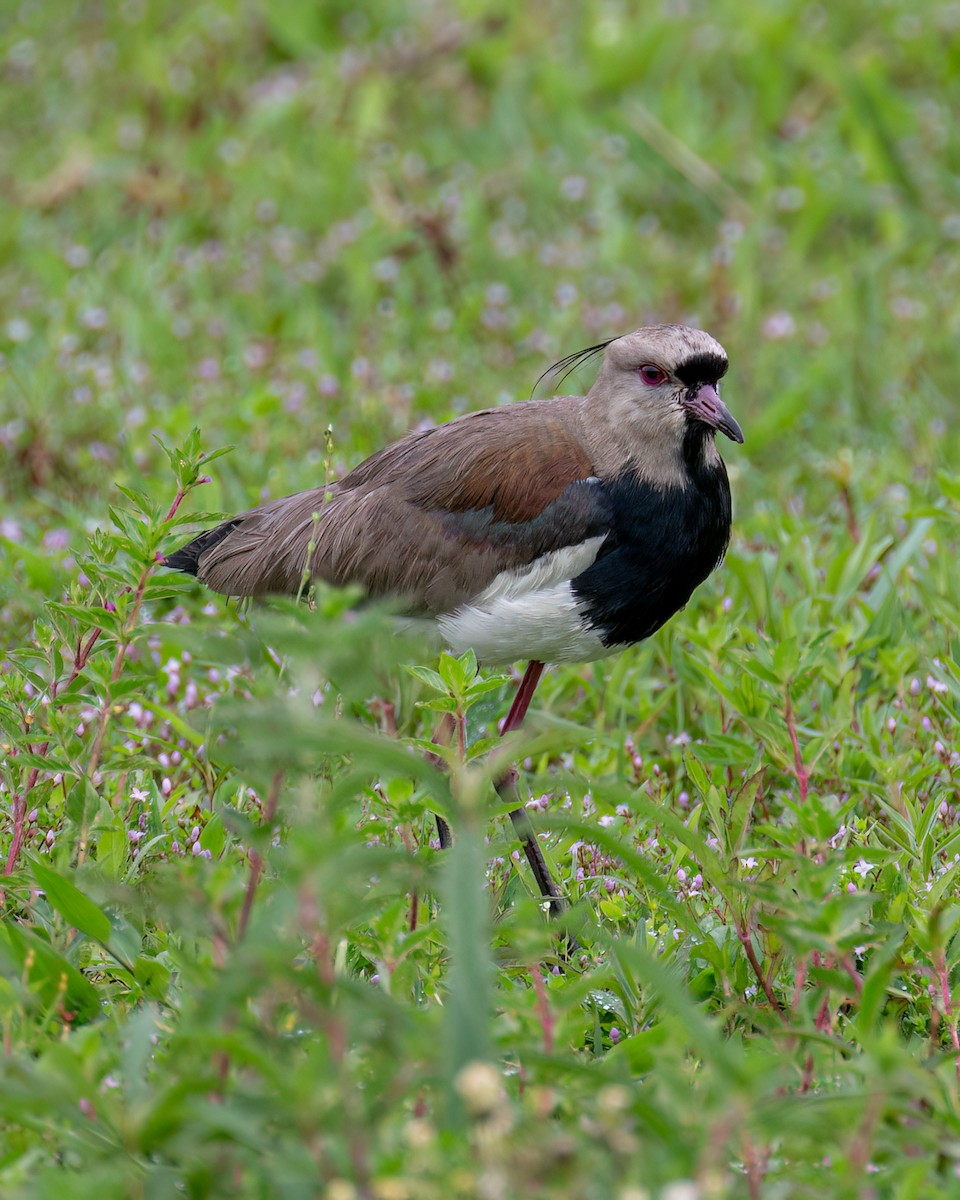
[{"x": 652, "y": 375}]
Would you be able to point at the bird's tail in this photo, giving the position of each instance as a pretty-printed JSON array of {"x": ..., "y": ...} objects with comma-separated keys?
[{"x": 187, "y": 558}]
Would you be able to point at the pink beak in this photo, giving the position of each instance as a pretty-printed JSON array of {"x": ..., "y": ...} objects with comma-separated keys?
[{"x": 705, "y": 405}]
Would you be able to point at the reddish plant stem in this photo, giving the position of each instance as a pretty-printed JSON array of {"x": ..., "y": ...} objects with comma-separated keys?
[
  {"x": 82, "y": 654},
  {"x": 799, "y": 770},
  {"x": 823, "y": 1023},
  {"x": 855, "y": 978},
  {"x": 220, "y": 943},
  {"x": 799, "y": 981},
  {"x": 20, "y": 800},
  {"x": 743, "y": 933},
  {"x": 387, "y": 713},
  {"x": 756, "y": 1165},
  {"x": 256, "y": 862},
  {"x": 807, "y": 1079},
  {"x": 334, "y": 1030},
  {"x": 858, "y": 1156},
  {"x": 850, "y": 512},
  {"x": 19, "y": 821},
  {"x": 442, "y": 737},
  {"x": 333, "y": 1027},
  {"x": 543, "y": 1008},
  {"x": 943, "y": 979},
  {"x": 124, "y": 645},
  {"x": 461, "y": 720}
]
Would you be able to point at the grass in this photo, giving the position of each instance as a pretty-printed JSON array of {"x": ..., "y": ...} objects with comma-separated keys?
[{"x": 232, "y": 961}]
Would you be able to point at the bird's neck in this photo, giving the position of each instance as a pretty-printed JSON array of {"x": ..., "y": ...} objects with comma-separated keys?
[
  {"x": 701, "y": 456},
  {"x": 649, "y": 450}
]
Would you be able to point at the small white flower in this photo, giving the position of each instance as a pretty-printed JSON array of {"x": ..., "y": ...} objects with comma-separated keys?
[{"x": 779, "y": 325}]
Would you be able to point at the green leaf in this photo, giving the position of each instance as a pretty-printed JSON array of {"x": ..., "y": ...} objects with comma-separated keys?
[
  {"x": 208, "y": 456},
  {"x": 214, "y": 836},
  {"x": 82, "y": 802},
  {"x": 425, "y": 675},
  {"x": 741, "y": 812},
  {"x": 452, "y": 673},
  {"x": 71, "y": 903},
  {"x": 38, "y": 569},
  {"x": 949, "y": 485},
  {"x": 469, "y": 1007},
  {"x": 483, "y": 686},
  {"x": 642, "y": 1050},
  {"x": 48, "y": 973},
  {"x": 697, "y": 774},
  {"x": 152, "y": 976},
  {"x": 440, "y": 704},
  {"x": 112, "y": 850}
]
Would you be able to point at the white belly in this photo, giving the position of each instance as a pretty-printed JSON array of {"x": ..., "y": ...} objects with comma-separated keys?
[{"x": 529, "y": 613}]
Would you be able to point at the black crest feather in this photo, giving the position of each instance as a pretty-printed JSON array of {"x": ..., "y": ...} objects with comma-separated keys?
[{"x": 571, "y": 362}]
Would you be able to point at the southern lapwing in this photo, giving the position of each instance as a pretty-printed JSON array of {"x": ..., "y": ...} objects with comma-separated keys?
[{"x": 556, "y": 530}]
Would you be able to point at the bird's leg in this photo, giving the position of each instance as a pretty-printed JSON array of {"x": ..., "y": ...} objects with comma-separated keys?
[
  {"x": 521, "y": 701},
  {"x": 508, "y": 789},
  {"x": 509, "y": 792}
]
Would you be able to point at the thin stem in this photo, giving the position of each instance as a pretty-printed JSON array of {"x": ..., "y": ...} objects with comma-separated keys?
[
  {"x": 442, "y": 738},
  {"x": 943, "y": 979},
  {"x": 743, "y": 933},
  {"x": 81, "y": 657},
  {"x": 799, "y": 981},
  {"x": 543, "y": 1008},
  {"x": 20, "y": 800},
  {"x": 256, "y": 862},
  {"x": 799, "y": 770}
]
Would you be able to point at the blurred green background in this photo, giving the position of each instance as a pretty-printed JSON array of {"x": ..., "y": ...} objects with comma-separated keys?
[
  {"x": 267, "y": 218},
  {"x": 271, "y": 219}
]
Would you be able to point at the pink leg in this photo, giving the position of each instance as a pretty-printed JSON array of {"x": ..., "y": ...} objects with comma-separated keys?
[
  {"x": 521, "y": 701},
  {"x": 508, "y": 790}
]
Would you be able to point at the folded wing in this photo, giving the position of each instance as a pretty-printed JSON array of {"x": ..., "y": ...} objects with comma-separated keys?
[{"x": 432, "y": 520}]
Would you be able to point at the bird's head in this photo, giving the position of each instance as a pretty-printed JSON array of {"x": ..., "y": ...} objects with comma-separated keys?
[{"x": 669, "y": 376}]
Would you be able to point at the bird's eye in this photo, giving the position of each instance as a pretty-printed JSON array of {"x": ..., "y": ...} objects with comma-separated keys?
[{"x": 652, "y": 375}]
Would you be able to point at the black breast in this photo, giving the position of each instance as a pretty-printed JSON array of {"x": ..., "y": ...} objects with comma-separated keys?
[{"x": 663, "y": 543}]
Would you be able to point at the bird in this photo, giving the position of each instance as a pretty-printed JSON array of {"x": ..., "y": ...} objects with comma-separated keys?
[{"x": 554, "y": 530}]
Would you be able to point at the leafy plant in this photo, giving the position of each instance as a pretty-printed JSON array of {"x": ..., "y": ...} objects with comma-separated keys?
[{"x": 233, "y": 959}]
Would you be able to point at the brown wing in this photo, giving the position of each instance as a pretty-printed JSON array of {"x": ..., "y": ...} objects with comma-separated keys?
[
  {"x": 432, "y": 519},
  {"x": 517, "y": 459}
]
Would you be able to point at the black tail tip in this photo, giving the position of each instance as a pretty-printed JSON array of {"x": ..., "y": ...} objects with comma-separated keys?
[{"x": 187, "y": 558}]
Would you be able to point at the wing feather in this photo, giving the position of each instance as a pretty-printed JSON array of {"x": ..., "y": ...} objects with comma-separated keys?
[{"x": 432, "y": 519}]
